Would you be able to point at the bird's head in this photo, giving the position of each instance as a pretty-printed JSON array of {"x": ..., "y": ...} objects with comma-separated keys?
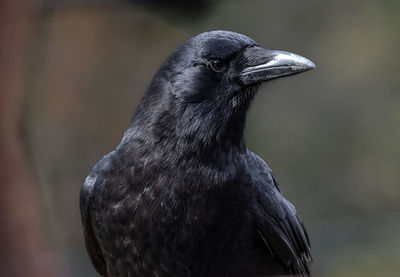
[
  {"x": 206, "y": 85},
  {"x": 223, "y": 67}
]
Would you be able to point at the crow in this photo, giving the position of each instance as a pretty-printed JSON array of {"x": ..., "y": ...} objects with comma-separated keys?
[{"x": 181, "y": 195}]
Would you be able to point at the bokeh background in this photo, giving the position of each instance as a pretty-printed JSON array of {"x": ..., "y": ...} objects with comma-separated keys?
[{"x": 73, "y": 72}]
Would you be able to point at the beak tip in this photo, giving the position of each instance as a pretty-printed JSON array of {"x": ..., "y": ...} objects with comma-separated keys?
[
  {"x": 302, "y": 62},
  {"x": 311, "y": 65}
]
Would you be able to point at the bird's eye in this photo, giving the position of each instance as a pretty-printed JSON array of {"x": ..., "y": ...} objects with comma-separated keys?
[{"x": 218, "y": 66}]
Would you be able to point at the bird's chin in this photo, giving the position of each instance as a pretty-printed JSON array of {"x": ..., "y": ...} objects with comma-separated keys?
[
  {"x": 251, "y": 89},
  {"x": 240, "y": 100}
]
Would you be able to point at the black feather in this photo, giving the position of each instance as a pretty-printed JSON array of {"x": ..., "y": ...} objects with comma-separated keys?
[{"x": 181, "y": 195}]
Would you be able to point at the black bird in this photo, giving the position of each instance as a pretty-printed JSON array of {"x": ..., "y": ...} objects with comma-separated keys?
[{"x": 181, "y": 195}]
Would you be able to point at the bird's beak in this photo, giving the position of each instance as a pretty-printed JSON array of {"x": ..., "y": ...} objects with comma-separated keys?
[{"x": 265, "y": 64}]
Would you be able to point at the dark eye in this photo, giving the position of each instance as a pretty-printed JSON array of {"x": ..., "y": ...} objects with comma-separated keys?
[{"x": 218, "y": 66}]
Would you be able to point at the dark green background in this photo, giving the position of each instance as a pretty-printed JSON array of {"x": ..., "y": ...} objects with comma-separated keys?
[{"x": 331, "y": 135}]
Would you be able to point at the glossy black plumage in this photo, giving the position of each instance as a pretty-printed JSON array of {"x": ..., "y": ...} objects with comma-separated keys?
[{"x": 181, "y": 195}]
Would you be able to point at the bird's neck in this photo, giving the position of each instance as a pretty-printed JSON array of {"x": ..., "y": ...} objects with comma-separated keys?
[{"x": 196, "y": 131}]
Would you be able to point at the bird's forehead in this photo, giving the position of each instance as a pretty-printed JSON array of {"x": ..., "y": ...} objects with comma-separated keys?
[{"x": 221, "y": 44}]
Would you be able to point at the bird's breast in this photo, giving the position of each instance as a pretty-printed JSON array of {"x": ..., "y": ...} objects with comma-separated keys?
[{"x": 162, "y": 214}]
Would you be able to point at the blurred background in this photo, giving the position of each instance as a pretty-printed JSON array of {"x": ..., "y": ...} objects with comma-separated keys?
[{"x": 73, "y": 72}]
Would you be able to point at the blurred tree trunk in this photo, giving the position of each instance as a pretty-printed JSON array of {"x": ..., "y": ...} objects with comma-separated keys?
[{"x": 24, "y": 245}]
